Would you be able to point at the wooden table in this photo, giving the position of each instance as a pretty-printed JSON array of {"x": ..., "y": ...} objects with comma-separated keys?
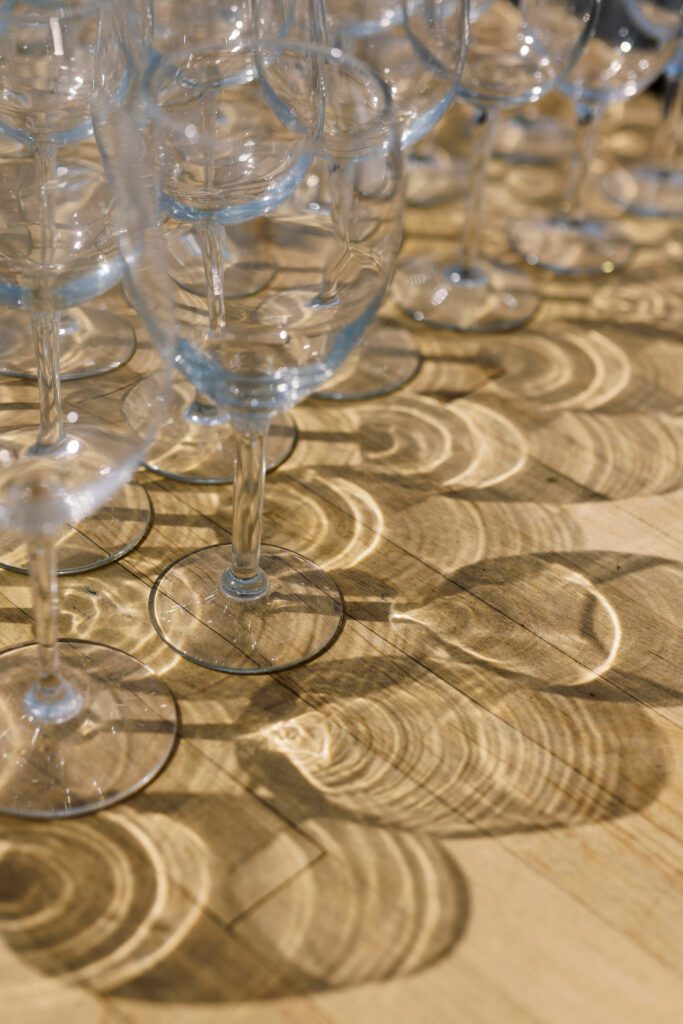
[{"x": 470, "y": 809}]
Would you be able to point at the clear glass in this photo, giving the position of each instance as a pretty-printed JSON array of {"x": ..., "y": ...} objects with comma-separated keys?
[
  {"x": 32, "y": 56},
  {"x": 304, "y": 121},
  {"x": 83, "y": 725},
  {"x": 58, "y": 250},
  {"x": 196, "y": 444},
  {"x": 516, "y": 52},
  {"x": 534, "y": 136},
  {"x": 654, "y": 188},
  {"x": 418, "y": 49},
  {"x": 632, "y": 43}
]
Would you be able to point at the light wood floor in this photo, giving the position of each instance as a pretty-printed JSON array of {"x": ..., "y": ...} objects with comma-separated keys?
[{"x": 470, "y": 809}]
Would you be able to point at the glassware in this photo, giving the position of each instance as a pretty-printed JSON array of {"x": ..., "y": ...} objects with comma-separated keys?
[
  {"x": 516, "y": 52},
  {"x": 633, "y": 42},
  {"x": 417, "y": 47},
  {"x": 655, "y": 188},
  {"x": 303, "y": 121},
  {"x": 81, "y": 724},
  {"x": 33, "y": 122},
  {"x": 56, "y": 246},
  {"x": 531, "y": 136},
  {"x": 196, "y": 444}
]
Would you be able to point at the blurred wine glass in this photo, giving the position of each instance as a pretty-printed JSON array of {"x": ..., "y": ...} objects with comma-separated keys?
[
  {"x": 417, "y": 47},
  {"x": 57, "y": 247},
  {"x": 516, "y": 52},
  {"x": 45, "y": 80},
  {"x": 82, "y": 724},
  {"x": 654, "y": 188},
  {"x": 304, "y": 121},
  {"x": 196, "y": 443},
  {"x": 632, "y": 43}
]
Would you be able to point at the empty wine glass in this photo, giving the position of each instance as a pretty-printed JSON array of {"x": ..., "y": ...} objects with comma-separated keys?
[
  {"x": 632, "y": 44},
  {"x": 56, "y": 245},
  {"x": 417, "y": 47},
  {"x": 83, "y": 724},
  {"x": 303, "y": 121},
  {"x": 196, "y": 443},
  {"x": 44, "y": 108},
  {"x": 654, "y": 187},
  {"x": 516, "y": 52}
]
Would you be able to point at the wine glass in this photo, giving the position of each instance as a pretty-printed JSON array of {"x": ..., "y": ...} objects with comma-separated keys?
[
  {"x": 633, "y": 42},
  {"x": 83, "y": 724},
  {"x": 417, "y": 47},
  {"x": 516, "y": 52},
  {"x": 654, "y": 188},
  {"x": 196, "y": 443},
  {"x": 56, "y": 245},
  {"x": 304, "y": 120},
  {"x": 33, "y": 76}
]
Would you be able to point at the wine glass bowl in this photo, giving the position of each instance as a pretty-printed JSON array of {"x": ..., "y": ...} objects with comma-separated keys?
[
  {"x": 83, "y": 260},
  {"x": 47, "y": 67},
  {"x": 214, "y": 98}
]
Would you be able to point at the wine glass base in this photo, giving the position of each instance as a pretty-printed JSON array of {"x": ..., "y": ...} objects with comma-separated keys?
[
  {"x": 298, "y": 617},
  {"x": 199, "y": 450},
  {"x": 92, "y": 341},
  {"x": 121, "y": 733},
  {"x": 490, "y": 297},
  {"x": 110, "y": 534},
  {"x": 386, "y": 358},
  {"x": 537, "y": 140},
  {"x": 433, "y": 175},
  {"x": 571, "y": 247},
  {"x": 647, "y": 191}
]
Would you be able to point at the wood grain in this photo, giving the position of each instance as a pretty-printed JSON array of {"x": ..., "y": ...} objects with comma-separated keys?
[{"x": 470, "y": 808}]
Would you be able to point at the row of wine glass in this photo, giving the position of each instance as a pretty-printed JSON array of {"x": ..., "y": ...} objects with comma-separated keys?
[{"x": 256, "y": 151}]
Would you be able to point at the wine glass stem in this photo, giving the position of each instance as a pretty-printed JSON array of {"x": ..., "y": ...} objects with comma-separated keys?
[
  {"x": 43, "y": 570},
  {"x": 574, "y": 205},
  {"x": 211, "y": 241},
  {"x": 44, "y": 320},
  {"x": 45, "y": 326},
  {"x": 666, "y": 139},
  {"x": 51, "y": 699},
  {"x": 482, "y": 133},
  {"x": 245, "y": 580}
]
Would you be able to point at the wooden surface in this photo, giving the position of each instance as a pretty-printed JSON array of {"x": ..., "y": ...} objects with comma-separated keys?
[{"x": 470, "y": 809}]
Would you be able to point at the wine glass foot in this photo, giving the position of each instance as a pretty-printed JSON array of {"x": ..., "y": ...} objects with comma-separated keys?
[
  {"x": 194, "y": 444},
  {"x": 298, "y": 617},
  {"x": 111, "y": 533},
  {"x": 648, "y": 191},
  {"x": 569, "y": 246},
  {"x": 386, "y": 359},
  {"x": 433, "y": 175},
  {"x": 116, "y": 736},
  {"x": 91, "y": 341},
  {"x": 489, "y": 297}
]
